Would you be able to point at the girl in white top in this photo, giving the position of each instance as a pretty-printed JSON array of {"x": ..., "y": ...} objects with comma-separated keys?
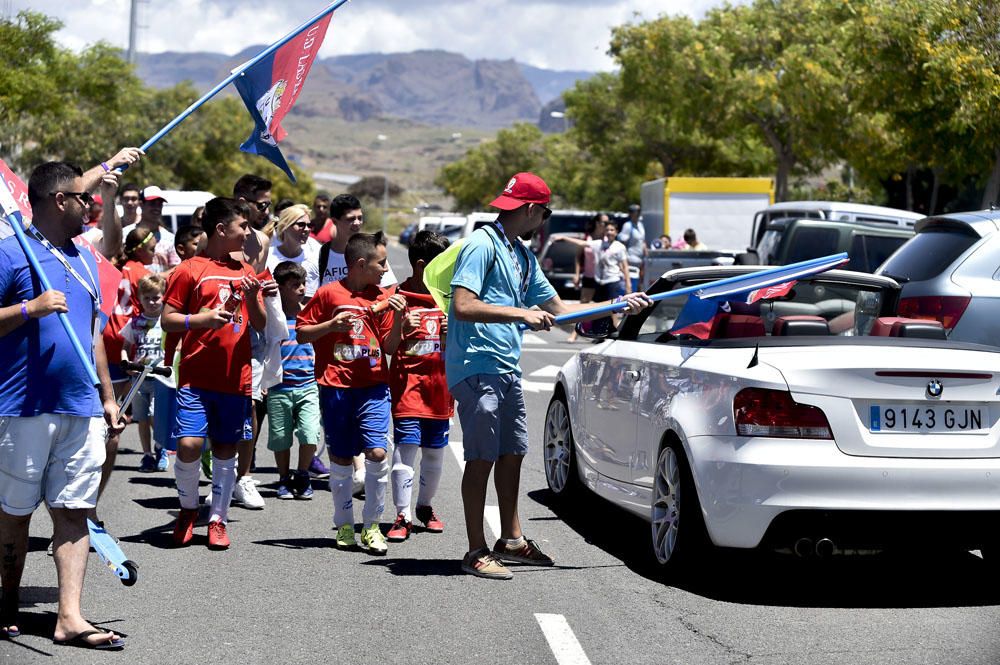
[{"x": 292, "y": 243}]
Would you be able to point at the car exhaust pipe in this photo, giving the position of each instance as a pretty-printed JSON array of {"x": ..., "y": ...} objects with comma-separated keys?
[
  {"x": 803, "y": 547},
  {"x": 825, "y": 548}
]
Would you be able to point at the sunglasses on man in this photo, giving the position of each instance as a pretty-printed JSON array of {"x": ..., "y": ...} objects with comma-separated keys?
[{"x": 83, "y": 197}]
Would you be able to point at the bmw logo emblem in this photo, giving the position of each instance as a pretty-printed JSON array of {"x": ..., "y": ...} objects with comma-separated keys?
[{"x": 935, "y": 388}]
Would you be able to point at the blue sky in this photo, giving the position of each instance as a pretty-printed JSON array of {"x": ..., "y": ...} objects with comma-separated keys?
[{"x": 555, "y": 34}]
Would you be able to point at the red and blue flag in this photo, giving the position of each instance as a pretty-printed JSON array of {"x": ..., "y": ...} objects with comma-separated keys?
[{"x": 271, "y": 86}]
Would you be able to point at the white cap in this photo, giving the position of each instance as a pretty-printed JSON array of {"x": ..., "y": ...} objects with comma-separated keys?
[{"x": 153, "y": 192}]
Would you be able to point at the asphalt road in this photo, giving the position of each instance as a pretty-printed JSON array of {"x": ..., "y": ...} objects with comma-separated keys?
[{"x": 283, "y": 594}]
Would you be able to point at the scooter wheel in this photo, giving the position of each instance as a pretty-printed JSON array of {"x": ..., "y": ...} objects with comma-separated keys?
[{"x": 133, "y": 573}]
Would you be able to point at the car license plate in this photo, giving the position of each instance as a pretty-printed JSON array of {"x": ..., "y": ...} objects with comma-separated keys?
[{"x": 928, "y": 418}]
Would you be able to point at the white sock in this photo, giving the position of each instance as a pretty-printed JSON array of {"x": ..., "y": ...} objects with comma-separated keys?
[
  {"x": 186, "y": 476},
  {"x": 376, "y": 475},
  {"x": 340, "y": 489},
  {"x": 223, "y": 482},
  {"x": 403, "y": 458},
  {"x": 431, "y": 466}
]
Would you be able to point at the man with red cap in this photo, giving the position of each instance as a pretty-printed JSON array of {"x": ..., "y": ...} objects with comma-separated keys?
[{"x": 497, "y": 285}]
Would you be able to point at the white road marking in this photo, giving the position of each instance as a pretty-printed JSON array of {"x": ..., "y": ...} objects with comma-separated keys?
[
  {"x": 565, "y": 647},
  {"x": 530, "y": 338},
  {"x": 549, "y": 371},
  {"x": 535, "y": 387},
  {"x": 491, "y": 513}
]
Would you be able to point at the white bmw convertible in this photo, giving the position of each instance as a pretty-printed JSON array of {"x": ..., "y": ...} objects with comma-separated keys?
[{"x": 812, "y": 419}]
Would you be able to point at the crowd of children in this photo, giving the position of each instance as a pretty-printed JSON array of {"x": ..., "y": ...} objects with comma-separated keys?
[{"x": 361, "y": 361}]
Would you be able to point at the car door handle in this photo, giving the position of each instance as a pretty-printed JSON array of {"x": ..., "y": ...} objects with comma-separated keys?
[{"x": 632, "y": 374}]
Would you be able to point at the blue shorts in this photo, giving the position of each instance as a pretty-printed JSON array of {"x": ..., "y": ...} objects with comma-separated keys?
[
  {"x": 423, "y": 432},
  {"x": 355, "y": 419},
  {"x": 491, "y": 410},
  {"x": 222, "y": 417}
]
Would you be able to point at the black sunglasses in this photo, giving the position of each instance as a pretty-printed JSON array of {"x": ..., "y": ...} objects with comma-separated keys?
[
  {"x": 84, "y": 197},
  {"x": 546, "y": 213},
  {"x": 262, "y": 206}
]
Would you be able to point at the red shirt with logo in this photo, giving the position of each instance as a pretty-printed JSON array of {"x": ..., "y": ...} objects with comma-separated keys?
[
  {"x": 349, "y": 359},
  {"x": 416, "y": 378},
  {"x": 216, "y": 360}
]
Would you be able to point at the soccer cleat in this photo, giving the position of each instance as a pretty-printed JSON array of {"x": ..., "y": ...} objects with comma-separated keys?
[
  {"x": 527, "y": 553},
  {"x": 184, "y": 526},
  {"x": 345, "y": 537},
  {"x": 373, "y": 540},
  {"x": 400, "y": 529},
  {"x": 218, "y": 539},
  {"x": 245, "y": 493},
  {"x": 162, "y": 463},
  {"x": 430, "y": 519},
  {"x": 483, "y": 563},
  {"x": 301, "y": 485},
  {"x": 317, "y": 469},
  {"x": 284, "y": 491},
  {"x": 147, "y": 464}
]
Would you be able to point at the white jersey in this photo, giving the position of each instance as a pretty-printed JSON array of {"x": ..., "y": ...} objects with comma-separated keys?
[
  {"x": 336, "y": 270},
  {"x": 308, "y": 258}
]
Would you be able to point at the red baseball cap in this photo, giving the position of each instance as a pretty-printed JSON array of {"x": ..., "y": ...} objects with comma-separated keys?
[{"x": 523, "y": 188}]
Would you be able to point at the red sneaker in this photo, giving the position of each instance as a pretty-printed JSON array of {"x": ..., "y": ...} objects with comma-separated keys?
[
  {"x": 218, "y": 539},
  {"x": 184, "y": 526},
  {"x": 430, "y": 519},
  {"x": 400, "y": 530}
]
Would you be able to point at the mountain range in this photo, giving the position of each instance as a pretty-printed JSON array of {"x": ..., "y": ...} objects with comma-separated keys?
[{"x": 431, "y": 87}]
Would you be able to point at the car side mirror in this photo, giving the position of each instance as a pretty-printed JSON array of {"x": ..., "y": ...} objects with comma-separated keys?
[{"x": 596, "y": 328}]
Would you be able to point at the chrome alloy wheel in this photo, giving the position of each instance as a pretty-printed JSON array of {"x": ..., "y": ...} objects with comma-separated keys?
[
  {"x": 666, "y": 505},
  {"x": 557, "y": 446}
]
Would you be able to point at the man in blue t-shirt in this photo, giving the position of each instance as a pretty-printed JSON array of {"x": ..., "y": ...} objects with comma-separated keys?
[
  {"x": 497, "y": 282},
  {"x": 52, "y": 432}
]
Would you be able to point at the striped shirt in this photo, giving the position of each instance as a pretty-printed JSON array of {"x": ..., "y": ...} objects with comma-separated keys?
[{"x": 297, "y": 362}]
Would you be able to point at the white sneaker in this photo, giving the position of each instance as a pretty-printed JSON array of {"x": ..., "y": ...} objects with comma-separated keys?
[{"x": 245, "y": 493}]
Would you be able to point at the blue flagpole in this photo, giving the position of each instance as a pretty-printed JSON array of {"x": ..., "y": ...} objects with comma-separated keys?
[
  {"x": 236, "y": 74},
  {"x": 22, "y": 240},
  {"x": 618, "y": 306}
]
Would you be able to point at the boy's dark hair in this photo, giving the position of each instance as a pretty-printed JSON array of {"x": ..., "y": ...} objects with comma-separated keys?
[
  {"x": 130, "y": 187},
  {"x": 342, "y": 203},
  {"x": 221, "y": 210},
  {"x": 426, "y": 245},
  {"x": 187, "y": 233},
  {"x": 282, "y": 204},
  {"x": 249, "y": 185},
  {"x": 325, "y": 198},
  {"x": 289, "y": 270},
  {"x": 362, "y": 246},
  {"x": 690, "y": 236},
  {"x": 50, "y": 177}
]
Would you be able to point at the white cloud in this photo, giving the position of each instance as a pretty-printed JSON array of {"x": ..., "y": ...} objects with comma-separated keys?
[{"x": 555, "y": 34}]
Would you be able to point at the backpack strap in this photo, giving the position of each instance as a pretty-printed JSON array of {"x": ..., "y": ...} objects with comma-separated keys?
[{"x": 324, "y": 259}]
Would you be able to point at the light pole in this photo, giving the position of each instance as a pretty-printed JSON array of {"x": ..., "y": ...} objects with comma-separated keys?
[
  {"x": 560, "y": 114},
  {"x": 382, "y": 138}
]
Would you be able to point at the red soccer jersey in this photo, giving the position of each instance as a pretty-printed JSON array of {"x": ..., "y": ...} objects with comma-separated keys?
[
  {"x": 216, "y": 360},
  {"x": 126, "y": 307},
  {"x": 416, "y": 378},
  {"x": 349, "y": 359}
]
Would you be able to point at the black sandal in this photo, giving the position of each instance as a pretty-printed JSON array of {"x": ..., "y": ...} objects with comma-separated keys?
[
  {"x": 80, "y": 641},
  {"x": 8, "y": 616}
]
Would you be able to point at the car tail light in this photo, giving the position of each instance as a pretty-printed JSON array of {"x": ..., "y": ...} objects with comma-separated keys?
[
  {"x": 773, "y": 413},
  {"x": 946, "y": 309}
]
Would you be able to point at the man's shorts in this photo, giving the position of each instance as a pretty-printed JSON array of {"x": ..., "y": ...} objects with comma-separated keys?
[
  {"x": 164, "y": 415},
  {"x": 292, "y": 410},
  {"x": 355, "y": 419},
  {"x": 423, "y": 432},
  {"x": 53, "y": 457},
  {"x": 222, "y": 417},
  {"x": 142, "y": 403},
  {"x": 491, "y": 410}
]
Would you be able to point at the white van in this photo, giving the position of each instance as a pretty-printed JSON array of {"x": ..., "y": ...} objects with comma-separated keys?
[{"x": 180, "y": 205}]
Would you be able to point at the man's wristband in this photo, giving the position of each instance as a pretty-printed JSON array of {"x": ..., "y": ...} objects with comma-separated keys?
[
  {"x": 24, "y": 310},
  {"x": 104, "y": 165},
  {"x": 187, "y": 322}
]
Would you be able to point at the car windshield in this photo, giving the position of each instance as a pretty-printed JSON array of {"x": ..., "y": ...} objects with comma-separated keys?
[
  {"x": 927, "y": 255},
  {"x": 843, "y": 307},
  {"x": 567, "y": 223}
]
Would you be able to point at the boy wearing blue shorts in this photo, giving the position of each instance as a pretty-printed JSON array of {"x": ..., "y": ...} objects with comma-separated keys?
[
  {"x": 353, "y": 324},
  {"x": 213, "y": 300},
  {"x": 421, "y": 404},
  {"x": 293, "y": 404}
]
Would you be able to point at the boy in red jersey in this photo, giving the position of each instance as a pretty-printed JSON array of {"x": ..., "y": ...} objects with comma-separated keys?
[
  {"x": 421, "y": 404},
  {"x": 351, "y": 339},
  {"x": 213, "y": 299}
]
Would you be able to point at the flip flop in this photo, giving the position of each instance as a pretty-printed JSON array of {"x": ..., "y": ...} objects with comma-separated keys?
[
  {"x": 80, "y": 641},
  {"x": 8, "y": 618}
]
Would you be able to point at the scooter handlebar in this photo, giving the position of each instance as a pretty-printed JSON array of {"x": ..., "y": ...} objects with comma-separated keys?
[{"x": 138, "y": 367}]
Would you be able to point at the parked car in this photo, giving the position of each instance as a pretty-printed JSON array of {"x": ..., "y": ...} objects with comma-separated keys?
[
  {"x": 406, "y": 235},
  {"x": 558, "y": 259},
  {"x": 868, "y": 245},
  {"x": 948, "y": 272},
  {"x": 810, "y": 422}
]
